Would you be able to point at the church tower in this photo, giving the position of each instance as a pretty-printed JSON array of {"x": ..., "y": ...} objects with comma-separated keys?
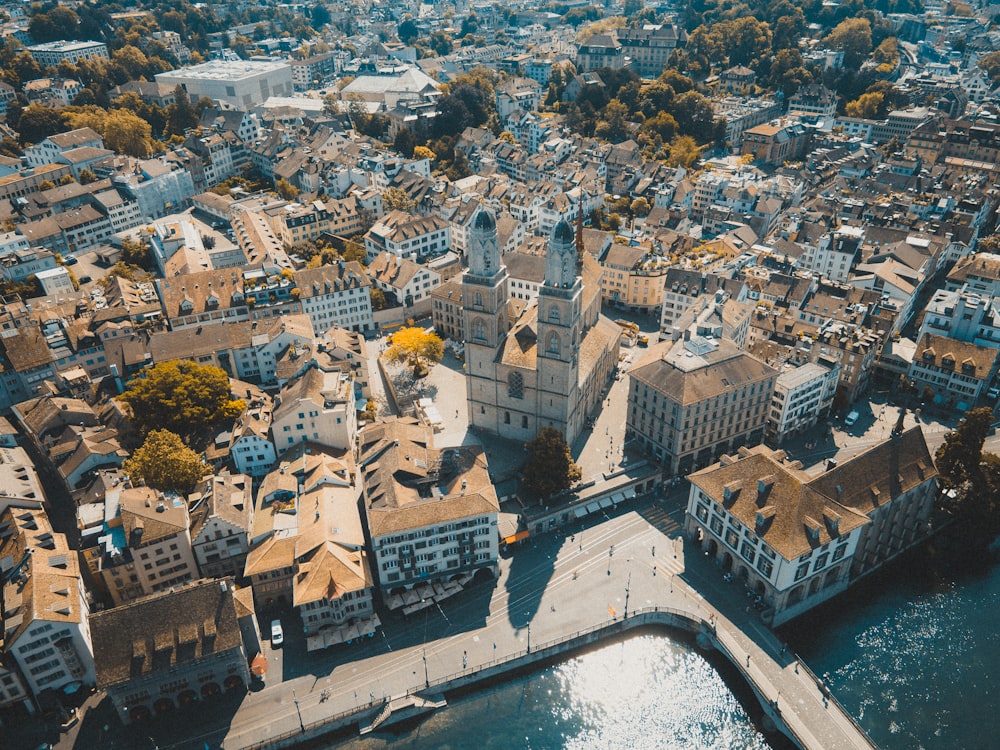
[
  {"x": 560, "y": 334},
  {"x": 484, "y": 299}
]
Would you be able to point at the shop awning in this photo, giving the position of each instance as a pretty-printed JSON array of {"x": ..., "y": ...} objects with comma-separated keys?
[
  {"x": 630, "y": 493},
  {"x": 617, "y": 498},
  {"x": 518, "y": 537},
  {"x": 606, "y": 502},
  {"x": 579, "y": 511},
  {"x": 592, "y": 507}
]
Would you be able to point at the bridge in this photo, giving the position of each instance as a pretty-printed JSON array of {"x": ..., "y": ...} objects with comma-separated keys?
[{"x": 557, "y": 597}]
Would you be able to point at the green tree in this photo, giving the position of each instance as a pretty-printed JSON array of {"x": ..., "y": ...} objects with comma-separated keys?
[
  {"x": 613, "y": 125},
  {"x": 407, "y": 31},
  {"x": 87, "y": 177},
  {"x": 180, "y": 115},
  {"x": 37, "y": 123},
  {"x": 163, "y": 462},
  {"x": 550, "y": 467},
  {"x": 972, "y": 479},
  {"x": 378, "y": 298},
  {"x": 182, "y": 397},
  {"x": 416, "y": 347},
  {"x": 639, "y": 207}
]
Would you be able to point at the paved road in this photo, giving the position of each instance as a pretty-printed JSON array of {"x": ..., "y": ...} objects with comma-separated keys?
[{"x": 547, "y": 590}]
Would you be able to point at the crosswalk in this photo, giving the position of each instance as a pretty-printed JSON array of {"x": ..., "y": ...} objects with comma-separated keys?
[{"x": 660, "y": 519}]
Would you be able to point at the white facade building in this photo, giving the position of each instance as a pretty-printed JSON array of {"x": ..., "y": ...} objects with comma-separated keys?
[
  {"x": 801, "y": 396},
  {"x": 241, "y": 83}
]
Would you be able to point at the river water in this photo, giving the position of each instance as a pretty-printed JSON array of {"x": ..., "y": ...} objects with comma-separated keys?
[{"x": 914, "y": 654}]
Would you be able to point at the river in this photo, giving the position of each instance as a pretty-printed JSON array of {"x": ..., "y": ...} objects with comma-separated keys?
[{"x": 912, "y": 653}]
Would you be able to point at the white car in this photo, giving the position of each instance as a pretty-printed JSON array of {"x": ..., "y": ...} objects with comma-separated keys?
[
  {"x": 851, "y": 418},
  {"x": 277, "y": 634}
]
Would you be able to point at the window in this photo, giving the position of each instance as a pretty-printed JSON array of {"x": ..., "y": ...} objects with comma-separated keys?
[
  {"x": 553, "y": 345},
  {"x": 821, "y": 561},
  {"x": 749, "y": 551},
  {"x": 554, "y": 315},
  {"x": 515, "y": 385},
  {"x": 702, "y": 511},
  {"x": 801, "y": 571},
  {"x": 478, "y": 329},
  {"x": 765, "y": 566},
  {"x": 717, "y": 525},
  {"x": 732, "y": 538},
  {"x": 839, "y": 552}
]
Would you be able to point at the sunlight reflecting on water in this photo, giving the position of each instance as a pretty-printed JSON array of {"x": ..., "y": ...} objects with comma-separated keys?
[{"x": 643, "y": 693}]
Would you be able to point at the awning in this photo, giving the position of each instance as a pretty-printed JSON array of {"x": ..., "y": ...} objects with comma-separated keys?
[
  {"x": 519, "y": 536},
  {"x": 630, "y": 493},
  {"x": 606, "y": 502},
  {"x": 592, "y": 507},
  {"x": 259, "y": 665},
  {"x": 617, "y": 498},
  {"x": 579, "y": 512}
]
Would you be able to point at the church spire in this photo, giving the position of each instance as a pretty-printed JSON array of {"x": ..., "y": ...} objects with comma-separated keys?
[{"x": 579, "y": 228}]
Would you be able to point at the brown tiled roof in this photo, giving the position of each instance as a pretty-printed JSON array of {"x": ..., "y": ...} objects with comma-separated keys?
[
  {"x": 163, "y": 631},
  {"x": 397, "y": 460},
  {"x": 789, "y": 515}
]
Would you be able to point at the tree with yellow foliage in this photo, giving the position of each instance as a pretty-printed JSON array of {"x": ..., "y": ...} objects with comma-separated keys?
[{"x": 417, "y": 348}]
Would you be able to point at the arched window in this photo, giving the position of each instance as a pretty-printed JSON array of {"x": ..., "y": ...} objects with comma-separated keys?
[
  {"x": 554, "y": 315},
  {"x": 478, "y": 329},
  {"x": 515, "y": 385},
  {"x": 479, "y": 299},
  {"x": 552, "y": 345}
]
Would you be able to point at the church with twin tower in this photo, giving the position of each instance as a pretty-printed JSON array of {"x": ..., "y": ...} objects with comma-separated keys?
[{"x": 550, "y": 366}]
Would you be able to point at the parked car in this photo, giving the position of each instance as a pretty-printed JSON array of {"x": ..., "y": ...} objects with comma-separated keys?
[
  {"x": 85, "y": 279},
  {"x": 69, "y": 260},
  {"x": 851, "y": 418},
  {"x": 277, "y": 634}
]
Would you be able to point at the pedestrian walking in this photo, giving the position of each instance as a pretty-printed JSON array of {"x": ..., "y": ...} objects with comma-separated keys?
[
  {"x": 654, "y": 570},
  {"x": 748, "y": 660}
]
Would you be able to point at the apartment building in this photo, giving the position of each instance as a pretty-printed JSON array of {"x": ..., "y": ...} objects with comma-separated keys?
[
  {"x": 221, "y": 508},
  {"x": 45, "y": 628},
  {"x": 693, "y": 399},
  {"x": 409, "y": 236},
  {"x": 957, "y": 373},
  {"x": 309, "y": 548},
  {"x": 802, "y": 396},
  {"x": 431, "y": 513},
  {"x": 318, "y": 407},
  {"x": 157, "y": 531},
  {"x": 53, "y": 53}
]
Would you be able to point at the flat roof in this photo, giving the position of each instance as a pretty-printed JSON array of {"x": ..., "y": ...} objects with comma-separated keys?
[{"x": 225, "y": 70}]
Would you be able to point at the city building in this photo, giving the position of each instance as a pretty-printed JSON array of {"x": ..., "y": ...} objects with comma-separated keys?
[
  {"x": 221, "y": 508},
  {"x": 549, "y": 367},
  {"x": 308, "y": 547},
  {"x": 408, "y": 236},
  {"x": 952, "y": 372},
  {"x": 797, "y": 541},
  {"x": 649, "y": 46},
  {"x": 242, "y": 84},
  {"x": 44, "y": 616},
  {"x": 170, "y": 650},
  {"x": 802, "y": 396},
  {"x": 431, "y": 513},
  {"x": 693, "y": 399},
  {"x": 157, "y": 531},
  {"x": 318, "y": 407},
  {"x": 53, "y": 53}
]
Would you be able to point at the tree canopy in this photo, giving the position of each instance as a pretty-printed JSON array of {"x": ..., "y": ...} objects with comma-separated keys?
[
  {"x": 550, "y": 467},
  {"x": 416, "y": 347},
  {"x": 180, "y": 396},
  {"x": 973, "y": 479},
  {"x": 163, "y": 462}
]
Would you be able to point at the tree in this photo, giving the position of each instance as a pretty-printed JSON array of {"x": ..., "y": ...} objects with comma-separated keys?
[
  {"x": 180, "y": 115},
  {"x": 550, "y": 467},
  {"x": 396, "y": 199},
  {"x": 854, "y": 36},
  {"x": 613, "y": 126},
  {"x": 640, "y": 207},
  {"x": 163, "y": 462},
  {"x": 867, "y": 105},
  {"x": 127, "y": 133},
  {"x": 408, "y": 32},
  {"x": 973, "y": 478},
  {"x": 37, "y": 123},
  {"x": 422, "y": 152},
  {"x": 180, "y": 396},
  {"x": 286, "y": 190},
  {"x": 378, "y": 299},
  {"x": 87, "y": 177},
  {"x": 416, "y": 347},
  {"x": 684, "y": 152}
]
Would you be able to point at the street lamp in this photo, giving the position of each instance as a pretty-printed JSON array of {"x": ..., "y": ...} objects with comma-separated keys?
[
  {"x": 427, "y": 680},
  {"x": 295, "y": 700},
  {"x": 628, "y": 583},
  {"x": 529, "y": 637}
]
